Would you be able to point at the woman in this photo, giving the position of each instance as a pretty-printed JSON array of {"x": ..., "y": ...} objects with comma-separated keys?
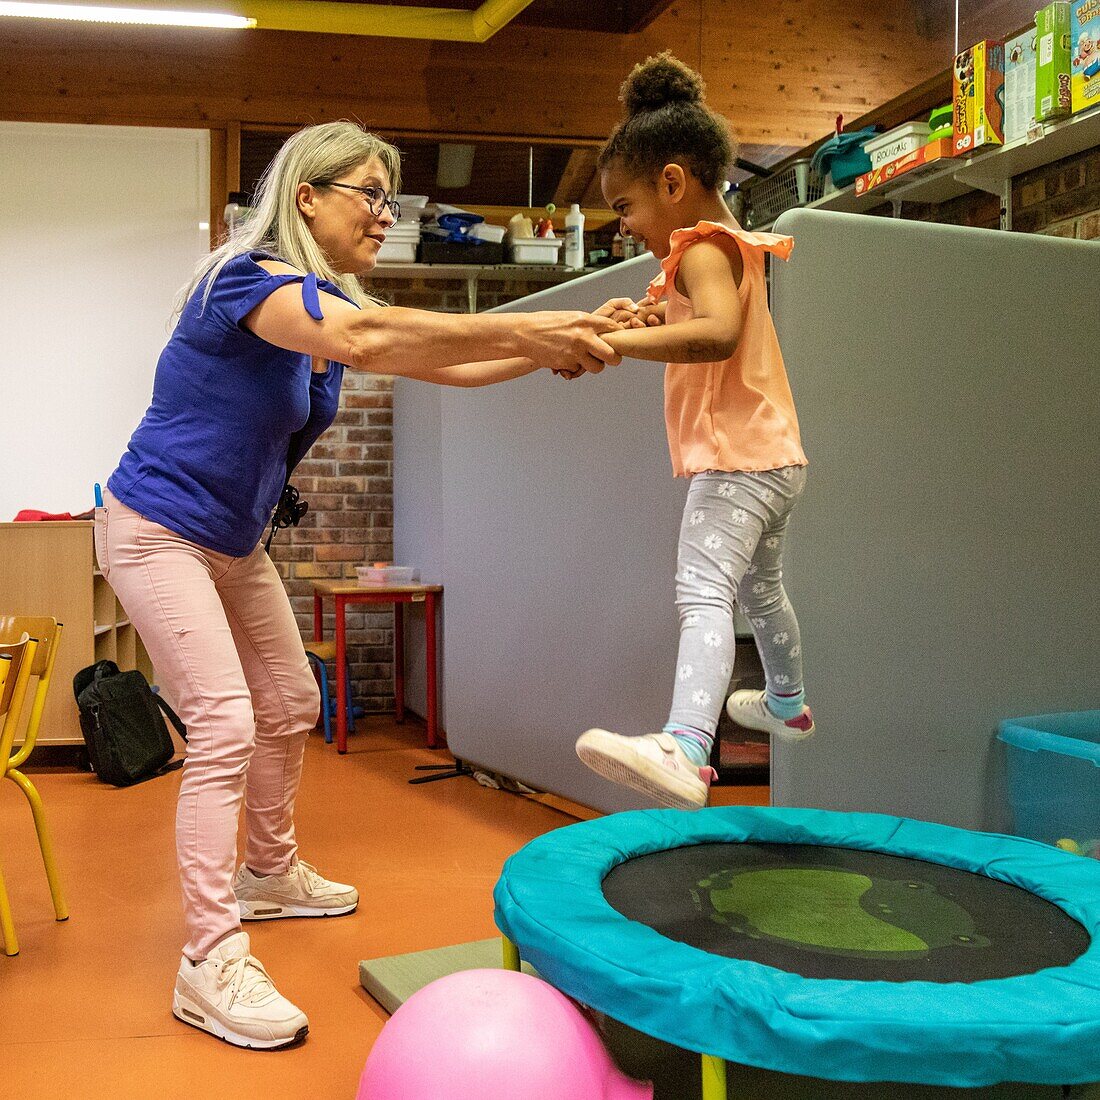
[{"x": 248, "y": 381}]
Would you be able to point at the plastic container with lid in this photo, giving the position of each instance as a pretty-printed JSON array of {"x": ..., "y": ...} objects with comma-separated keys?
[
  {"x": 1054, "y": 778},
  {"x": 895, "y": 143},
  {"x": 536, "y": 250},
  {"x": 384, "y": 573}
]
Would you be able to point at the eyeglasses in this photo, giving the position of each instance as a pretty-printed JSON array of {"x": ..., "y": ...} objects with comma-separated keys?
[{"x": 375, "y": 196}]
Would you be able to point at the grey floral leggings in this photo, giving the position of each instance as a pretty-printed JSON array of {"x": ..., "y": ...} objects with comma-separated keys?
[{"x": 731, "y": 551}]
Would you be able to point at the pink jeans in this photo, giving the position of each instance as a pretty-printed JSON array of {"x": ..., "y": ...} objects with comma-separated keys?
[{"x": 226, "y": 648}]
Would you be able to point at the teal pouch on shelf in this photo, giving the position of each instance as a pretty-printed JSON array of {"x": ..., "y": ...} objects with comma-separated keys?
[{"x": 843, "y": 156}]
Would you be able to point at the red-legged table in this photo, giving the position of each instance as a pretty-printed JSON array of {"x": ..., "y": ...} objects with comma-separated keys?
[{"x": 343, "y": 593}]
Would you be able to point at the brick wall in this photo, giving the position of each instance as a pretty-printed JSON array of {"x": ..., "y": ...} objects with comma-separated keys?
[
  {"x": 348, "y": 480},
  {"x": 1062, "y": 200}
]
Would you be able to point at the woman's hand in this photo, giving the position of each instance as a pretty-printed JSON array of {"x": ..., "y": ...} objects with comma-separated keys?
[{"x": 568, "y": 342}]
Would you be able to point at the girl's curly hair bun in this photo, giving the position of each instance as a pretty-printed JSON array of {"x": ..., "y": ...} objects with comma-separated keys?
[{"x": 659, "y": 81}]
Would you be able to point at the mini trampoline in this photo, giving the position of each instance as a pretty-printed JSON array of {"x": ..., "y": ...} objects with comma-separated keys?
[{"x": 852, "y": 947}]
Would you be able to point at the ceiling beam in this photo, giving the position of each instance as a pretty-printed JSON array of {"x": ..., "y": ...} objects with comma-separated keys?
[
  {"x": 638, "y": 15},
  {"x": 577, "y": 177}
]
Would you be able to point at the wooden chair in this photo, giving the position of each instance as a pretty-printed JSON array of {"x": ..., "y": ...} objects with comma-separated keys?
[{"x": 35, "y": 653}]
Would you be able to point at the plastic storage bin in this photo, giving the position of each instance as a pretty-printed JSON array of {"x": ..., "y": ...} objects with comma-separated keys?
[
  {"x": 385, "y": 574},
  {"x": 401, "y": 243},
  {"x": 398, "y": 252},
  {"x": 536, "y": 250},
  {"x": 434, "y": 250},
  {"x": 896, "y": 143},
  {"x": 1054, "y": 778}
]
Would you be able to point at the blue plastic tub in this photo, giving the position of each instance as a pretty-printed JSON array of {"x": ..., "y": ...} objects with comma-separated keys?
[{"x": 1054, "y": 778}]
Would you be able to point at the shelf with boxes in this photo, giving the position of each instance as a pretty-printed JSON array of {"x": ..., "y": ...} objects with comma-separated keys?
[
  {"x": 1017, "y": 105},
  {"x": 991, "y": 169}
]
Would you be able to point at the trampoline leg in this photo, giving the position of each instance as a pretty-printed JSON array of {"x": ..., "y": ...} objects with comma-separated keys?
[
  {"x": 714, "y": 1078},
  {"x": 511, "y": 954}
]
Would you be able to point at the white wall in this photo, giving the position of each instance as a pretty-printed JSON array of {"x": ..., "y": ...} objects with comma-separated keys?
[{"x": 99, "y": 228}]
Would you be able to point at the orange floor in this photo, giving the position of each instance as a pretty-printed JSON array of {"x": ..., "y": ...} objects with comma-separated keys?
[{"x": 84, "y": 1008}]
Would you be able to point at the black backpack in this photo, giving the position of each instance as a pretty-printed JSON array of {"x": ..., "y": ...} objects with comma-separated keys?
[{"x": 120, "y": 717}]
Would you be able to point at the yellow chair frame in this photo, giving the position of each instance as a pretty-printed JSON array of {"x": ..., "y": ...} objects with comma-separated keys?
[
  {"x": 33, "y": 655},
  {"x": 7, "y": 683}
]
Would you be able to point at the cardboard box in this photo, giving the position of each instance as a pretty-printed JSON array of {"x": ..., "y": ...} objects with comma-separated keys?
[
  {"x": 1053, "y": 68},
  {"x": 1019, "y": 85},
  {"x": 1085, "y": 43},
  {"x": 978, "y": 100},
  {"x": 911, "y": 162}
]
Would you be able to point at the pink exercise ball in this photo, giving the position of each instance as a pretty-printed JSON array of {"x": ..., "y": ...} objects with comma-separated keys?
[{"x": 492, "y": 1035}]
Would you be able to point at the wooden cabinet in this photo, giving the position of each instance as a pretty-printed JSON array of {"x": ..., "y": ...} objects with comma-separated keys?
[{"x": 49, "y": 568}]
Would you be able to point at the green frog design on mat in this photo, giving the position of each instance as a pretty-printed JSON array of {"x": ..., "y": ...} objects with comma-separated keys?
[{"x": 837, "y": 912}]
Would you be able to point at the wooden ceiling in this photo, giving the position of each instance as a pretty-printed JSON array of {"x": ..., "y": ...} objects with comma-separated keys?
[
  {"x": 611, "y": 16},
  {"x": 499, "y": 177}
]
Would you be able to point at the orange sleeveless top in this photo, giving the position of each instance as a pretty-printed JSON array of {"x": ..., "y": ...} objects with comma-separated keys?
[{"x": 737, "y": 414}]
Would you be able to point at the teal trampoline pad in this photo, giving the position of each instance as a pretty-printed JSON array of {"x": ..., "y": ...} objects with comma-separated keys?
[{"x": 853, "y": 947}]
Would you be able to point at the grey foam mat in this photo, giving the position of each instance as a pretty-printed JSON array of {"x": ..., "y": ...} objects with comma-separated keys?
[{"x": 391, "y": 981}]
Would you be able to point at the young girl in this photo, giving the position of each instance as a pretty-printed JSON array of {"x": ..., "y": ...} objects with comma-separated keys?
[{"x": 731, "y": 426}]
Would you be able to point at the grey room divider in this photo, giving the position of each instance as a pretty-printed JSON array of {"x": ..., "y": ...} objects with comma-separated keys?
[
  {"x": 944, "y": 560},
  {"x": 549, "y": 512}
]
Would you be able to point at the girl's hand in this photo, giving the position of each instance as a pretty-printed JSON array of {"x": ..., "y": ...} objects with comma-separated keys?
[
  {"x": 651, "y": 312},
  {"x": 622, "y": 311},
  {"x": 615, "y": 305}
]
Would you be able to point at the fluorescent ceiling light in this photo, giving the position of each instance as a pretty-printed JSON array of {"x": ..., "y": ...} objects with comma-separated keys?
[{"x": 90, "y": 14}]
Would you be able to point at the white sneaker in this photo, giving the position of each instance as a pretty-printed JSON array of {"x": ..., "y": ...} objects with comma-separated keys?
[
  {"x": 654, "y": 764},
  {"x": 301, "y": 892},
  {"x": 230, "y": 995},
  {"x": 750, "y": 709}
]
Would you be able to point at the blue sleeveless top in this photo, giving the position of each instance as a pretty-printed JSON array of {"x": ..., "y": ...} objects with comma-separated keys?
[{"x": 209, "y": 459}]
